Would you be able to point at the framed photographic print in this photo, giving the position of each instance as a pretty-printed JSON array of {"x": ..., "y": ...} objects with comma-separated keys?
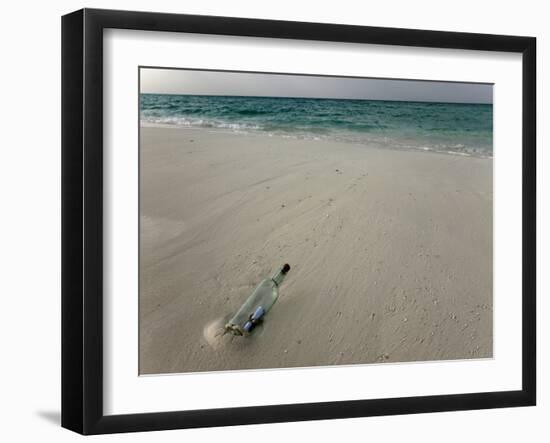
[{"x": 269, "y": 221}]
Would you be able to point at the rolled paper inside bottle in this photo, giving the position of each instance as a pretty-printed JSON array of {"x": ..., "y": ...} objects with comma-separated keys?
[{"x": 257, "y": 315}]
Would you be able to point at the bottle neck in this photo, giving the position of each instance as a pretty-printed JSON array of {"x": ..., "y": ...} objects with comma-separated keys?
[{"x": 278, "y": 277}]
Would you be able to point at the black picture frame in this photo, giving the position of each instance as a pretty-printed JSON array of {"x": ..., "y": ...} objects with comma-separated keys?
[{"x": 82, "y": 220}]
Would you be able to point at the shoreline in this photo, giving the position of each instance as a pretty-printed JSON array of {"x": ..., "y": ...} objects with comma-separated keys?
[
  {"x": 390, "y": 251},
  {"x": 261, "y": 133}
]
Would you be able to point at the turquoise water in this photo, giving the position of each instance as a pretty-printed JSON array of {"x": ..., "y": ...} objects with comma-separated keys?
[{"x": 465, "y": 129}]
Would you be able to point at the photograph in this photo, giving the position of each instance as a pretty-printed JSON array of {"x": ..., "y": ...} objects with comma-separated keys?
[{"x": 295, "y": 221}]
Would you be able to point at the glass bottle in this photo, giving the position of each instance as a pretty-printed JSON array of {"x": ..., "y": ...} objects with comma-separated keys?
[{"x": 254, "y": 309}]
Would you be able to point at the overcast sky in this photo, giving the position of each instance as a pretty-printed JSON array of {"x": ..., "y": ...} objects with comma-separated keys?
[{"x": 180, "y": 81}]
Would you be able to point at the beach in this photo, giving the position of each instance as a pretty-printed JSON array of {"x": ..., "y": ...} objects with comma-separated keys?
[{"x": 390, "y": 251}]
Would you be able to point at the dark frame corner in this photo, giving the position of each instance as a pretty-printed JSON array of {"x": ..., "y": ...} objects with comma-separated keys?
[{"x": 82, "y": 254}]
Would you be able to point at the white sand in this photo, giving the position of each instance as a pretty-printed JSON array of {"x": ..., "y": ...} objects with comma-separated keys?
[{"x": 390, "y": 252}]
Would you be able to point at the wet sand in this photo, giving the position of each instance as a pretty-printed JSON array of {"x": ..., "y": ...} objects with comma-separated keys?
[{"x": 390, "y": 252}]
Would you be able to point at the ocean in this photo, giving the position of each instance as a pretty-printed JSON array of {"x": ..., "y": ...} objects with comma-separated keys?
[{"x": 461, "y": 129}]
